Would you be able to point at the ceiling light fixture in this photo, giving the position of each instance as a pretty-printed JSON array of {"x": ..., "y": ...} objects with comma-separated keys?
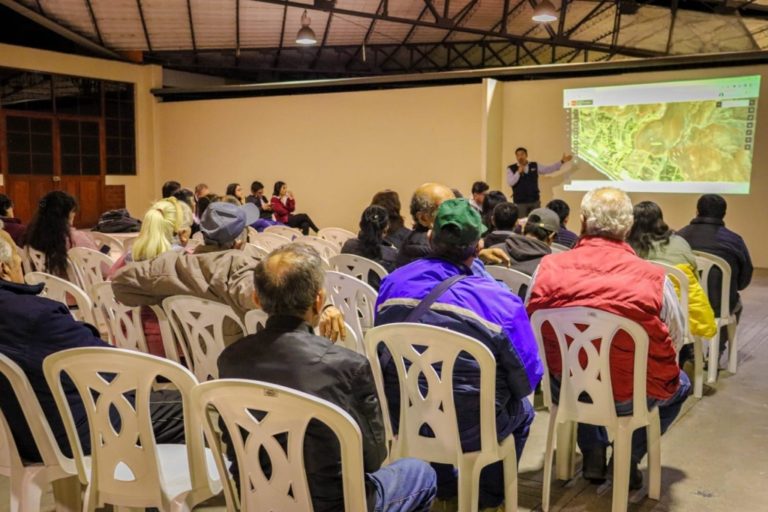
[
  {"x": 306, "y": 36},
  {"x": 544, "y": 12}
]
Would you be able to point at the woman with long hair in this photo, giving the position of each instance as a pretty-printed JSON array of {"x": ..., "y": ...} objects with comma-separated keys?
[
  {"x": 652, "y": 239},
  {"x": 283, "y": 205},
  {"x": 396, "y": 232},
  {"x": 370, "y": 242},
  {"x": 236, "y": 191},
  {"x": 52, "y": 231},
  {"x": 165, "y": 227}
]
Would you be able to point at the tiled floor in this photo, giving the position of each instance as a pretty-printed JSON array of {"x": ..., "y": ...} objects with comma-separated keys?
[{"x": 715, "y": 457}]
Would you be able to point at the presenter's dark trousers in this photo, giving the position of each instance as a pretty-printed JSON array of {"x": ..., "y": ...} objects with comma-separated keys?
[{"x": 523, "y": 209}]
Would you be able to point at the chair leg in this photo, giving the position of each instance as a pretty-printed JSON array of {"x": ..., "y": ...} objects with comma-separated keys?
[
  {"x": 714, "y": 357},
  {"x": 510, "y": 483},
  {"x": 622, "y": 452},
  {"x": 565, "y": 462},
  {"x": 733, "y": 348},
  {"x": 68, "y": 494},
  {"x": 548, "y": 456},
  {"x": 698, "y": 368},
  {"x": 653, "y": 433},
  {"x": 469, "y": 486},
  {"x": 27, "y": 489}
]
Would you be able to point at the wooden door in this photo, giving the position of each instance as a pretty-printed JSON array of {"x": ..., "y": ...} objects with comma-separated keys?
[{"x": 44, "y": 152}]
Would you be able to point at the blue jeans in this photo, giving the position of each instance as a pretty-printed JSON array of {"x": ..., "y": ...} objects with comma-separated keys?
[
  {"x": 590, "y": 437},
  {"x": 406, "y": 485},
  {"x": 492, "y": 475}
]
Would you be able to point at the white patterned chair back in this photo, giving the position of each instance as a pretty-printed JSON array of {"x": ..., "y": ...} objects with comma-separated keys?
[
  {"x": 355, "y": 299},
  {"x": 336, "y": 235},
  {"x": 61, "y": 290},
  {"x": 357, "y": 266},
  {"x": 123, "y": 322}
]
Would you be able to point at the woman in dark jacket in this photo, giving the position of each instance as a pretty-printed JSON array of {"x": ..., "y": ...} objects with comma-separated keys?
[
  {"x": 370, "y": 242},
  {"x": 396, "y": 232}
]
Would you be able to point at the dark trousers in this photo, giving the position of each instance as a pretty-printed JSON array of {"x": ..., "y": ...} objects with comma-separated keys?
[
  {"x": 303, "y": 222},
  {"x": 590, "y": 437},
  {"x": 523, "y": 209}
]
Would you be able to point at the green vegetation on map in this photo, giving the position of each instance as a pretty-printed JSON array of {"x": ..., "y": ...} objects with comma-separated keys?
[{"x": 687, "y": 141}]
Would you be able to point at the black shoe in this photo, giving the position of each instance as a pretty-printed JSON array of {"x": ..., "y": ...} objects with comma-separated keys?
[{"x": 593, "y": 466}]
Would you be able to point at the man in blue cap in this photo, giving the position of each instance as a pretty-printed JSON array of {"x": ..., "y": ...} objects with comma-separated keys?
[
  {"x": 225, "y": 226},
  {"x": 476, "y": 306}
]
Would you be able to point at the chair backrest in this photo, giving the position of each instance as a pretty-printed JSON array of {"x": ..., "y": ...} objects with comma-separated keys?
[
  {"x": 336, "y": 235},
  {"x": 267, "y": 419},
  {"x": 706, "y": 262},
  {"x": 199, "y": 326},
  {"x": 356, "y": 266},
  {"x": 114, "y": 382},
  {"x": 63, "y": 291},
  {"x": 115, "y": 245},
  {"x": 255, "y": 251},
  {"x": 516, "y": 281},
  {"x": 38, "y": 424},
  {"x": 424, "y": 356},
  {"x": 355, "y": 299},
  {"x": 33, "y": 260},
  {"x": 678, "y": 276},
  {"x": 267, "y": 241},
  {"x": 90, "y": 265},
  {"x": 326, "y": 249},
  {"x": 255, "y": 320},
  {"x": 559, "y": 248},
  {"x": 123, "y": 322},
  {"x": 577, "y": 329},
  {"x": 170, "y": 345},
  {"x": 284, "y": 231}
]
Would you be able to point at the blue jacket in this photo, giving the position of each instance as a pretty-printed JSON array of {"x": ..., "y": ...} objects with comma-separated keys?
[
  {"x": 478, "y": 307},
  {"x": 31, "y": 328}
]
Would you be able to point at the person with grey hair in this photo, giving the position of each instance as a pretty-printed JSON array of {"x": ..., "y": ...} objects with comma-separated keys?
[
  {"x": 32, "y": 328},
  {"x": 288, "y": 286},
  {"x": 603, "y": 272}
]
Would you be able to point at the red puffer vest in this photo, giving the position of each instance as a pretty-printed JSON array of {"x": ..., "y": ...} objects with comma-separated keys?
[{"x": 607, "y": 275}]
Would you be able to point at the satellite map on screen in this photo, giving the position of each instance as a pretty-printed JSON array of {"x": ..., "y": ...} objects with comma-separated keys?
[{"x": 695, "y": 132}]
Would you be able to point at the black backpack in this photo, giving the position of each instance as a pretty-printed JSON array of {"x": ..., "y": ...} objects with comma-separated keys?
[{"x": 117, "y": 221}]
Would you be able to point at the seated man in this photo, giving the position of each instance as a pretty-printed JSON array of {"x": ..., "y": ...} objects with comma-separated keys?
[
  {"x": 289, "y": 287},
  {"x": 563, "y": 236},
  {"x": 504, "y": 220},
  {"x": 479, "y": 189},
  {"x": 603, "y": 272},
  {"x": 224, "y": 226},
  {"x": 31, "y": 328},
  {"x": 707, "y": 233},
  {"x": 424, "y": 204},
  {"x": 526, "y": 250},
  {"x": 478, "y": 307}
]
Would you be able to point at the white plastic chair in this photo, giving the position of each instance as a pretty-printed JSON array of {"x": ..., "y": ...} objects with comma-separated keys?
[
  {"x": 356, "y": 266},
  {"x": 514, "y": 279},
  {"x": 284, "y": 231},
  {"x": 28, "y": 481},
  {"x": 267, "y": 241},
  {"x": 355, "y": 299},
  {"x": 257, "y": 415},
  {"x": 59, "y": 289},
  {"x": 255, "y": 251},
  {"x": 595, "y": 380},
  {"x": 255, "y": 320},
  {"x": 33, "y": 260},
  {"x": 326, "y": 249},
  {"x": 115, "y": 244},
  {"x": 170, "y": 344},
  {"x": 435, "y": 407},
  {"x": 558, "y": 248},
  {"x": 679, "y": 277},
  {"x": 706, "y": 262},
  {"x": 90, "y": 265},
  {"x": 199, "y": 326},
  {"x": 123, "y": 322},
  {"x": 127, "y": 468},
  {"x": 336, "y": 235}
]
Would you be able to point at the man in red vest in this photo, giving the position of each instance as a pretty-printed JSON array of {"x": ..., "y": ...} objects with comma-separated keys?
[{"x": 603, "y": 272}]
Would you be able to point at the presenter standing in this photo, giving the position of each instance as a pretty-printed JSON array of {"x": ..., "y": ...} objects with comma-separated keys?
[{"x": 523, "y": 177}]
